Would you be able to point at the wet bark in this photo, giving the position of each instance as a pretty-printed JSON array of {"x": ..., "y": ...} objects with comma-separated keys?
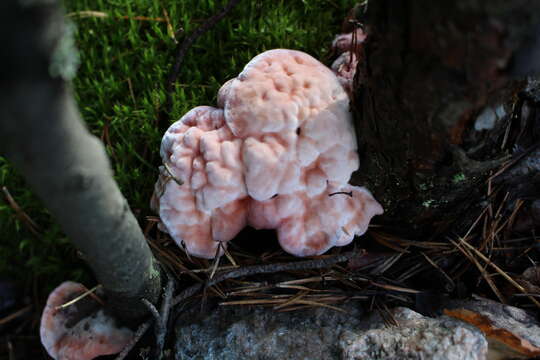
[
  {"x": 441, "y": 103},
  {"x": 42, "y": 134}
]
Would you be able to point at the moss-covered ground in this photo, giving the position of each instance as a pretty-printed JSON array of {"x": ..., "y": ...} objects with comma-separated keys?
[{"x": 126, "y": 51}]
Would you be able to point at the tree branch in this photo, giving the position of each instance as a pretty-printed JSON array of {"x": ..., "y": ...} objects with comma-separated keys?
[{"x": 42, "y": 134}]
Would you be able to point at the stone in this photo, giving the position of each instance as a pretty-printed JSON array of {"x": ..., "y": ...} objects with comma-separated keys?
[
  {"x": 414, "y": 336},
  {"x": 243, "y": 332}
]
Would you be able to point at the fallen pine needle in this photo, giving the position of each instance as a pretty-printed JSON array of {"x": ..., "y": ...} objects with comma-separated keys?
[
  {"x": 500, "y": 271},
  {"x": 103, "y": 15},
  {"x": 395, "y": 288},
  {"x": 292, "y": 300},
  {"x": 15, "y": 315},
  {"x": 82, "y": 296}
]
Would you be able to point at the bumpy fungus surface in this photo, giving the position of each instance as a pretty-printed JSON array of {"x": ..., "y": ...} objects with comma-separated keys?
[
  {"x": 276, "y": 154},
  {"x": 79, "y": 331}
]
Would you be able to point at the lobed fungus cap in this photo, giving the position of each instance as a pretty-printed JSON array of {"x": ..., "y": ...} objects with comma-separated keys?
[
  {"x": 271, "y": 157},
  {"x": 310, "y": 225},
  {"x": 289, "y": 109},
  {"x": 200, "y": 193},
  {"x": 80, "y": 331}
]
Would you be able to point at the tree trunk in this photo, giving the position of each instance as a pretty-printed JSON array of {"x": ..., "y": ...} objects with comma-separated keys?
[
  {"x": 42, "y": 134},
  {"x": 438, "y": 108}
]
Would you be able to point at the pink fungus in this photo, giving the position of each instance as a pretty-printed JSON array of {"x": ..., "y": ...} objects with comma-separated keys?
[
  {"x": 345, "y": 68},
  {"x": 344, "y": 42},
  {"x": 201, "y": 153},
  {"x": 283, "y": 128},
  {"x": 79, "y": 331},
  {"x": 347, "y": 45}
]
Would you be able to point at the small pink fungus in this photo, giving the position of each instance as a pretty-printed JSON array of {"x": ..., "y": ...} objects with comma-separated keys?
[{"x": 79, "y": 331}]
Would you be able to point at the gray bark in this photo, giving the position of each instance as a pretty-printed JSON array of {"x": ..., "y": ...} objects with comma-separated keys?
[{"x": 42, "y": 134}]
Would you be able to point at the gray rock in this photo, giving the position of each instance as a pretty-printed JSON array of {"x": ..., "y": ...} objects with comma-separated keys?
[
  {"x": 415, "y": 337},
  {"x": 260, "y": 333},
  {"x": 243, "y": 332}
]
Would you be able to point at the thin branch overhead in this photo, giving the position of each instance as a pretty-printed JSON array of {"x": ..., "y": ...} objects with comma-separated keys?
[{"x": 183, "y": 48}]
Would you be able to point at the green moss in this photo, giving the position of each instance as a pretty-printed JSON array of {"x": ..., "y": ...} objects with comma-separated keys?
[
  {"x": 120, "y": 87},
  {"x": 458, "y": 178}
]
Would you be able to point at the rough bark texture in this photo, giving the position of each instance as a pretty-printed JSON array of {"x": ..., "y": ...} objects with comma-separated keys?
[
  {"x": 42, "y": 134},
  {"x": 430, "y": 71}
]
